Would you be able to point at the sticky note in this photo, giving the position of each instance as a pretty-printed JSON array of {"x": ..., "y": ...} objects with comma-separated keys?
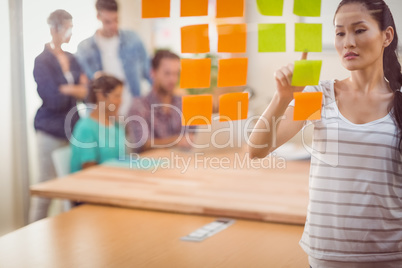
[
  {"x": 155, "y": 9},
  {"x": 232, "y": 38},
  {"x": 307, "y": 106},
  {"x": 195, "y": 73},
  {"x": 197, "y": 110},
  {"x": 233, "y": 106},
  {"x": 195, "y": 39},
  {"x": 308, "y": 37},
  {"x": 307, "y": 8},
  {"x": 232, "y": 72},
  {"x": 270, "y": 7},
  {"x": 193, "y": 8},
  {"x": 229, "y": 8},
  {"x": 272, "y": 37},
  {"x": 306, "y": 73}
]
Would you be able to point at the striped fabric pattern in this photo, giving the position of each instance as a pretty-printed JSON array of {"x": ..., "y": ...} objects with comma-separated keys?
[{"x": 355, "y": 208}]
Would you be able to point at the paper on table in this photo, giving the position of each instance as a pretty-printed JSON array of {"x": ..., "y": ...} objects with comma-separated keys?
[
  {"x": 270, "y": 7},
  {"x": 232, "y": 72},
  {"x": 307, "y": 106},
  {"x": 232, "y": 38},
  {"x": 272, "y": 37},
  {"x": 197, "y": 110},
  {"x": 229, "y": 8},
  {"x": 195, "y": 39},
  {"x": 306, "y": 73},
  {"x": 193, "y": 8},
  {"x": 155, "y": 9},
  {"x": 233, "y": 106},
  {"x": 195, "y": 73},
  {"x": 308, "y": 37},
  {"x": 307, "y": 8}
]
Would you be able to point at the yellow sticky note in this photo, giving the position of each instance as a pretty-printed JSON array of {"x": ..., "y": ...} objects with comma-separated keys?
[
  {"x": 229, "y": 8},
  {"x": 195, "y": 73},
  {"x": 193, "y": 8},
  {"x": 306, "y": 73},
  {"x": 195, "y": 39},
  {"x": 197, "y": 110},
  {"x": 307, "y": 106},
  {"x": 272, "y": 37},
  {"x": 233, "y": 106},
  {"x": 232, "y": 38},
  {"x": 308, "y": 37},
  {"x": 232, "y": 72},
  {"x": 270, "y": 7},
  {"x": 307, "y": 8},
  {"x": 155, "y": 9}
]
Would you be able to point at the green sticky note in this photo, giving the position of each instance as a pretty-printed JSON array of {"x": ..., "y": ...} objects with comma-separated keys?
[
  {"x": 308, "y": 37},
  {"x": 272, "y": 37},
  {"x": 306, "y": 73},
  {"x": 307, "y": 8},
  {"x": 270, "y": 7}
]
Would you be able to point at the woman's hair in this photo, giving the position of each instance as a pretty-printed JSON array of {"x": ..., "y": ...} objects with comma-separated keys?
[
  {"x": 104, "y": 84},
  {"x": 380, "y": 11},
  {"x": 57, "y": 18}
]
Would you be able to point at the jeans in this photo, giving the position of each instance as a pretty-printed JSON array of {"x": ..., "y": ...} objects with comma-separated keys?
[{"x": 46, "y": 145}]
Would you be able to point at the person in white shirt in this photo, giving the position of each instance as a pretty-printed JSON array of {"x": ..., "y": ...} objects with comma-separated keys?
[{"x": 120, "y": 53}]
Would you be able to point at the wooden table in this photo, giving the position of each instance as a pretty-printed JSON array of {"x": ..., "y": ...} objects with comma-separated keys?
[
  {"x": 267, "y": 190},
  {"x": 101, "y": 236}
]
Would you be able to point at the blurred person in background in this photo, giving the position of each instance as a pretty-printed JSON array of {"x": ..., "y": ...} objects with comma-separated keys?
[
  {"x": 99, "y": 137},
  {"x": 60, "y": 84},
  {"x": 117, "y": 52}
]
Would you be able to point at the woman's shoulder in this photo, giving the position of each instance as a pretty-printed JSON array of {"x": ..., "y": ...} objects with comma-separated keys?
[
  {"x": 44, "y": 56},
  {"x": 327, "y": 89},
  {"x": 323, "y": 86}
]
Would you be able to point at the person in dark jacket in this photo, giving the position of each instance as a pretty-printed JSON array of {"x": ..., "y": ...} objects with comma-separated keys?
[{"x": 60, "y": 83}]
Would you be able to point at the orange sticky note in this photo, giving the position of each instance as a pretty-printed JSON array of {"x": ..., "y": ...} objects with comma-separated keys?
[
  {"x": 155, "y": 9},
  {"x": 232, "y": 38},
  {"x": 194, "y": 8},
  {"x": 229, "y": 8},
  {"x": 195, "y": 73},
  {"x": 233, "y": 106},
  {"x": 195, "y": 39},
  {"x": 307, "y": 105},
  {"x": 232, "y": 72},
  {"x": 197, "y": 110}
]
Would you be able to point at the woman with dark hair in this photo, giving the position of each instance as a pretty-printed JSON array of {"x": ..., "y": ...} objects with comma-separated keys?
[
  {"x": 60, "y": 84},
  {"x": 99, "y": 137},
  {"x": 354, "y": 217}
]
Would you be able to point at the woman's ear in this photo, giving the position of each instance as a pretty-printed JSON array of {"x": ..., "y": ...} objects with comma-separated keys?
[
  {"x": 53, "y": 31},
  {"x": 389, "y": 36}
]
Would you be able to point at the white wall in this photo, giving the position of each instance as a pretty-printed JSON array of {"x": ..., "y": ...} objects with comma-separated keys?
[
  {"x": 263, "y": 65},
  {"x": 7, "y": 215}
]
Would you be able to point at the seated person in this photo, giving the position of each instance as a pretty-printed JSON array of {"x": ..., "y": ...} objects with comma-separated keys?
[
  {"x": 99, "y": 137},
  {"x": 155, "y": 120}
]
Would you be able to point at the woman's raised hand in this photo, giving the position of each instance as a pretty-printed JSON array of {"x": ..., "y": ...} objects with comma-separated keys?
[{"x": 283, "y": 78}]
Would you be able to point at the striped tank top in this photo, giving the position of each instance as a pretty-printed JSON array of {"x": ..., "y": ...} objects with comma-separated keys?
[{"x": 355, "y": 188}]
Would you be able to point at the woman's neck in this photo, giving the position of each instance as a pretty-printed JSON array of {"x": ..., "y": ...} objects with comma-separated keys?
[
  {"x": 56, "y": 47},
  {"x": 103, "y": 116},
  {"x": 369, "y": 79}
]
